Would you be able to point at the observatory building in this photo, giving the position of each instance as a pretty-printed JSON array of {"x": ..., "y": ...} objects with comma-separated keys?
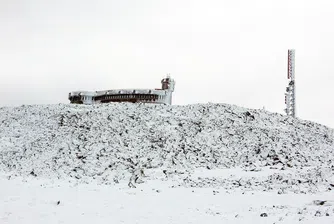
[{"x": 158, "y": 96}]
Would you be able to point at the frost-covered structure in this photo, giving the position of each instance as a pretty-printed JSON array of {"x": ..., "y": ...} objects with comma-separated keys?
[
  {"x": 290, "y": 95},
  {"x": 159, "y": 96}
]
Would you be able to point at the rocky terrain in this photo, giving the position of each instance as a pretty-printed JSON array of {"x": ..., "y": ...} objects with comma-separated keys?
[
  {"x": 137, "y": 163},
  {"x": 111, "y": 143}
]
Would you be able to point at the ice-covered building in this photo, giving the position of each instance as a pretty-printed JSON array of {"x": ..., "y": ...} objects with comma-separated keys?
[{"x": 159, "y": 96}]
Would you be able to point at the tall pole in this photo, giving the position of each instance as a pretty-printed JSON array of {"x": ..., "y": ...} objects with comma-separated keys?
[{"x": 290, "y": 95}]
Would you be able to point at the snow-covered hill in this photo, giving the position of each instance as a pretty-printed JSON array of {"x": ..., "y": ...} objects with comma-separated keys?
[
  {"x": 112, "y": 142},
  {"x": 210, "y": 146}
]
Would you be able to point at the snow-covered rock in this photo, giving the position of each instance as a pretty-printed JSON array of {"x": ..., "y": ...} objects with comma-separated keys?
[{"x": 110, "y": 143}]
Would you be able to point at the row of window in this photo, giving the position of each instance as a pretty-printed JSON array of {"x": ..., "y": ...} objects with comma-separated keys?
[
  {"x": 86, "y": 98},
  {"x": 130, "y": 96},
  {"x": 120, "y": 97}
]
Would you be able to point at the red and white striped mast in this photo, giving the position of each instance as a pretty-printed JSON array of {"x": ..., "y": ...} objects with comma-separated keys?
[{"x": 290, "y": 95}]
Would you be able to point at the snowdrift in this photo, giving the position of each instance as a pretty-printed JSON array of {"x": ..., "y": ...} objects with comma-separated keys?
[{"x": 135, "y": 143}]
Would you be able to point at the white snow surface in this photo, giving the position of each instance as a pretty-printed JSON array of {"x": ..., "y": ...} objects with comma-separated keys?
[{"x": 139, "y": 163}]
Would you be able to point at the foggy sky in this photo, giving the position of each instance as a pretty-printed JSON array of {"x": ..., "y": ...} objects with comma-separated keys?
[{"x": 220, "y": 51}]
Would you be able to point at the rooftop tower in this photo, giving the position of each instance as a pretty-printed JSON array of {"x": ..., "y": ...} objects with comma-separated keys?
[{"x": 168, "y": 85}]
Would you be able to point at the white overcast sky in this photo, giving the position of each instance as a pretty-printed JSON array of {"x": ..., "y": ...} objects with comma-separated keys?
[{"x": 224, "y": 51}]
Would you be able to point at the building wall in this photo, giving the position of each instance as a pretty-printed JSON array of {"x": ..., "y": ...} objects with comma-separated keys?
[{"x": 160, "y": 96}]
